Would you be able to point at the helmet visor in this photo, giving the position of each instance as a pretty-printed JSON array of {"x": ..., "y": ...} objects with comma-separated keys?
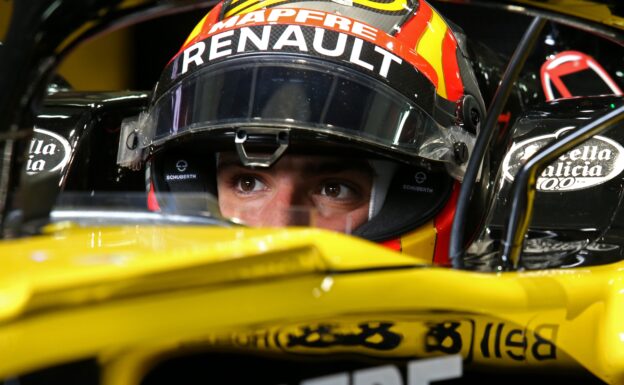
[{"x": 297, "y": 94}]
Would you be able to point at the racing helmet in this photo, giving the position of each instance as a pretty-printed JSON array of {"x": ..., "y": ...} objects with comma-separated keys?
[{"x": 385, "y": 81}]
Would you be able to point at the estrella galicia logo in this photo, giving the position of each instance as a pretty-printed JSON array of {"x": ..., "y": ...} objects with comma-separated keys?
[
  {"x": 371, "y": 335},
  {"x": 596, "y": 161},
  {"x": 48, "y": 151},
  {"x": 443, "y": 337}
]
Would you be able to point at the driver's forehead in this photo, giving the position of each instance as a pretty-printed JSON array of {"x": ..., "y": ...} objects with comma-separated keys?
[{"x": 306, "y": 164}]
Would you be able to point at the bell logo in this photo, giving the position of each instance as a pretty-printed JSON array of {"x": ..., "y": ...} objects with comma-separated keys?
[{"x": 48, "y": 151}]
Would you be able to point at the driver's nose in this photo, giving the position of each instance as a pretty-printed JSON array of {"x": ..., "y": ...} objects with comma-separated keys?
[{"x": 288, "y": 207}]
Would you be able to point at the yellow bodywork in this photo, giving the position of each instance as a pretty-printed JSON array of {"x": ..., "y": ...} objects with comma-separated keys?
[
  {"x": 132, "y": 296},
  {"x": 129, "y": 296}
]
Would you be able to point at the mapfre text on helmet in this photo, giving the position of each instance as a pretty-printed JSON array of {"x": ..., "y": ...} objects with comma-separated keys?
[{"x": 271, "y": 30}]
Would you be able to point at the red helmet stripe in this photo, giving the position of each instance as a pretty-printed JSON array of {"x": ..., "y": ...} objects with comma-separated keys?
[
  {"x": 417, "y": 25},
  {"x": 152, "y": 202},
  {"x": 412, "y": 31},
  {"x": 454, "y": 85},
  {"x": 394, "y": 244},
  {"x": 430, "y": 47}
]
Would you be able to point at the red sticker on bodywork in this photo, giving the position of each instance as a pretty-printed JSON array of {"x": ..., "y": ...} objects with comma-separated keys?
[{"x": 574, "y": 73}]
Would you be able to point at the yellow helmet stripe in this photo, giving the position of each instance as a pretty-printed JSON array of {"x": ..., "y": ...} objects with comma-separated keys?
[
  {"x": 430, "y": 47},
  {"x": 242, "y": 6},
  {"x": 196, "y": 30},
  {"x": 393, "y": 6}
]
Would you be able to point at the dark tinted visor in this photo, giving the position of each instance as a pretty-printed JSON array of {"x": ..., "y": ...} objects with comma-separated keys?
[{"x": 296, "y": 93}]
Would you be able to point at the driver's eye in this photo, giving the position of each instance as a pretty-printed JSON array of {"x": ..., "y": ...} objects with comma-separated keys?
[
  {"x": 332, "y": 190},
  {"x": 249, "y": 184},
  {"x": 337, "y": 191}
]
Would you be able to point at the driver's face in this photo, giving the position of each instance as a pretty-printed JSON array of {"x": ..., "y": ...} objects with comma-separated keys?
[{"x": 327, "y": 192}]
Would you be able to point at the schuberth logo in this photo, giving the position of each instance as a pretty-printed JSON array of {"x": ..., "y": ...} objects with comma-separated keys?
[
  {"x": 181, "y": 165},
  {"x": 596, "y": 161},
  {"x": 48, "y": 151}
]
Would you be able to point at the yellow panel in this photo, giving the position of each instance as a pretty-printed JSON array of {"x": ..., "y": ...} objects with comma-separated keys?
[
  {"x": 59, "y": 265},
  {"x": 104, "y": 64},
  {"x": 5, "y": 14},
  {"x": 541, "y": 320},
  {"x": 580, "y": 8},
  {"x": 420, "y": 242}
]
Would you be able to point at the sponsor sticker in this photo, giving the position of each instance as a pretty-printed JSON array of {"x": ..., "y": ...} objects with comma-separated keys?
[
  {"x": 478, "y": 339},
  {"x": 316, "y": 33},
  {"x": 596, "y": 161},
  {"x": 292, "y": 38},
  {"x": 372, "y": 335},
  {"x": 48, "y": 151},
  {"x": 574, "y": 73},
  {"x": 546, "y": 245},
  {"x": 417, "y": 184}
]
